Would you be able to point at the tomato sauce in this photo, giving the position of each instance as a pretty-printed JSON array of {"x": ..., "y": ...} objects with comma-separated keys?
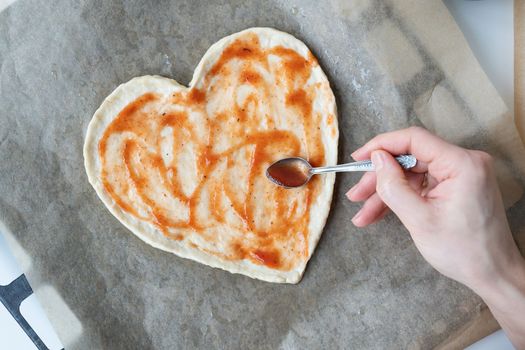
[{"x": 193, "y": 164}]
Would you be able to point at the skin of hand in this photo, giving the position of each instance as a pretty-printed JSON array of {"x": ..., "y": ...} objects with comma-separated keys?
[{"x": 452, "y": 207}]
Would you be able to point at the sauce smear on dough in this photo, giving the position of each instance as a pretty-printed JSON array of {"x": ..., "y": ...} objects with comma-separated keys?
[{"x": 193, "y": 163}]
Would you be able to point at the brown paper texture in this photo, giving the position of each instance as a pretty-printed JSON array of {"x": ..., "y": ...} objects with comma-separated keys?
[
  {"x": 479, "y": 327},
  {"x": 391, "y": 64}
]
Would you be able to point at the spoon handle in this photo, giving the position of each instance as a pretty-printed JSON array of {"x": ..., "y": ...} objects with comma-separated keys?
[{"x": 407, "y": 161}]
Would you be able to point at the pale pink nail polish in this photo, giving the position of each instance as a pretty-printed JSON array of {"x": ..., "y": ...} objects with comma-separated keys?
[
  {"x": 350, "y": 192},
  {"x": 356, "y": 216}
]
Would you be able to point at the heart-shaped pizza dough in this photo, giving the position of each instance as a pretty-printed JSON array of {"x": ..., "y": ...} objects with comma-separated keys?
[{"x": 184, "y": 168}]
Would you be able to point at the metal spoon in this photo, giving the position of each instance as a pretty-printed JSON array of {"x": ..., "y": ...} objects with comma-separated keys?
[{"x": 296, "y": 172}]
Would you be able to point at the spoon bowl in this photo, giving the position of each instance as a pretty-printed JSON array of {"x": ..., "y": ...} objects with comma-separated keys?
[
  {"x": 296, "y": 172},
  {"x": 290, "y": 172}
]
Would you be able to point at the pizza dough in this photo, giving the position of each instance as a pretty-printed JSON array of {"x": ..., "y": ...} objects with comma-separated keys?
[{"x": 183, "y": 168}]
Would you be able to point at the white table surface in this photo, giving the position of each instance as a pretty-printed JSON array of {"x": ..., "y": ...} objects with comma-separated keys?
[{"x": 488, "y": 27}]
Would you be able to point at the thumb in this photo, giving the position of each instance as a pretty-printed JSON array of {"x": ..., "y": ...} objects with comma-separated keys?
[{"x": 394, "y": 189}]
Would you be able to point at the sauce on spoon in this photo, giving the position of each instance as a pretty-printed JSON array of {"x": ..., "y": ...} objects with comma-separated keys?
[{"x": 289, "y": 172}]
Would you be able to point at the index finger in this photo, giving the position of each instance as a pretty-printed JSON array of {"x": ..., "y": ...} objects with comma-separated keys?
[{"x": 425, "y": 146}]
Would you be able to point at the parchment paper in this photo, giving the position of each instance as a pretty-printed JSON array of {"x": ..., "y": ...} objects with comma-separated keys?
[
  {"x": 519, "y": 66},
  {"x": 391, "y": 64}
]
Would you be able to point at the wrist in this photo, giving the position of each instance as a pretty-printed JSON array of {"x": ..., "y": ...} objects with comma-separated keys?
[
  {"x": 506, "y": 285},
  {"x": 505, "y": 297}
]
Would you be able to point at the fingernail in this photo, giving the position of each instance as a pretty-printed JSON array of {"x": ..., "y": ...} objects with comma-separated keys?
[
  {"x": 355, "y": 152},
  {"x": 356, "y": 216},
  {"x": 378, "y": 160},
  {"x": 350, "y": 192}
]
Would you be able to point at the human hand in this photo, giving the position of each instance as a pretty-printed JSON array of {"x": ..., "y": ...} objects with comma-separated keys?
[
  {"x": 452, "y": 207},
  {"x": 450, "y": 203}
]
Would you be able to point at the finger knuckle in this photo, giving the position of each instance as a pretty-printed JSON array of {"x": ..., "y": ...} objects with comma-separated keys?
[
  {"x": 457, "y": 158},
  {"x": 417, "y": 129},
  {"x": 482, "y": 160},
  {"x": 485, "y": 158},
  {"x": 461, "y": 155},
  {"x": 480, "y": 167}
]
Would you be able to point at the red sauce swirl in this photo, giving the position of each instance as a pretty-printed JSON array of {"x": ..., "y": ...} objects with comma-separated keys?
[{"x": 193, "y": 163}]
